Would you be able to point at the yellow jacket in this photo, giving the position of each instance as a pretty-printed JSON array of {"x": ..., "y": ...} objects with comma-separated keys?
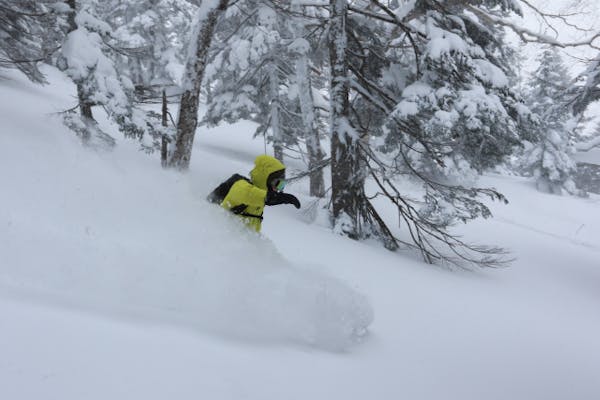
[{"x": 252, "y": 195}]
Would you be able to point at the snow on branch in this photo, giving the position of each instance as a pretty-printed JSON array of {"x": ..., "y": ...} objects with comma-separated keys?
[
  {"x": 529, "y": 36},
  {"x": 393, "y": 19},
  {"x": 563, "y": 17},
  {"x": 587, "y": 146},
  {"x": 310, "y": 3}
]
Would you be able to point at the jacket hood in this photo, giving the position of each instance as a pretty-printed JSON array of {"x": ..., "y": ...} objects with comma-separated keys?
[{"x": 263, "y": 167}]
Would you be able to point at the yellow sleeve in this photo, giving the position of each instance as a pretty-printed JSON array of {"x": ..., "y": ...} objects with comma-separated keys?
[{"x": 243, "y": 192}]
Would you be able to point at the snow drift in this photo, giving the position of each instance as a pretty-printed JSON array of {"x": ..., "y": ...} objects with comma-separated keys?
[{"x": 114, "y": 232}]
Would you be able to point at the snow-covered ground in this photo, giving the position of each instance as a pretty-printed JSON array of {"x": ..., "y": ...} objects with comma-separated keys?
[
  {"x": 592, "y": 156},
  {"x": 118, "y": 280}
]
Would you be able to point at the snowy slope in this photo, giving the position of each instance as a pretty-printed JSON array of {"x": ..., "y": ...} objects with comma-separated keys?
[
  {"x": 117, "y": 280},
  {"x": 592, "y": 156}
]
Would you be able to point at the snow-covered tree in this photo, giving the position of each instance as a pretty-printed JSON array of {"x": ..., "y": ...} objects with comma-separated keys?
[
  {"x": 204, "y": 24},
  {"x": 84, "y": 61},
  {"x": 590, "y": 92},
  {"x": 28, "y": 31},
  {"x": 458, "y": 116},
  {"x": 305, "y": 93},
  {"x": 548, "y": 158},
  {"x": 584, "y": 96},
  {"x": 261, "y": 72},
  {"x": 87, "y": 56},
  {"x": 434, "y": 77},
  {"x": 151, "y": 34},
  {"x": 347, "y": 179},
  {"x": 249, "y": 75}
]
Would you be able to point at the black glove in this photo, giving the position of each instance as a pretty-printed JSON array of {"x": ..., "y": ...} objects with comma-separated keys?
[{"x": 274, "y": 198}]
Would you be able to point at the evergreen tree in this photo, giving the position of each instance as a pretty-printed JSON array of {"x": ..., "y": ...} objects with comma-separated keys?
[
  {"x": 261, "y": 72},
  {"x": 590, "y": 91},
  {"x": 87, "y": 56},
  {"x": 28, "y": 32},
  {"x": 249, "y": 76},
  {"x": 548, "y": 157},
  {"x": 582, "y": 98},
  {"x": 150, "y": 32},
  {"x": 150, "y": 35},
  {"x": 460, "y": 113},
  {"x": 437, "y": 76}
]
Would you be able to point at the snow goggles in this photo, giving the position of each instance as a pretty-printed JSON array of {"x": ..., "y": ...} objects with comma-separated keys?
[{"x": 278, "y": 184}]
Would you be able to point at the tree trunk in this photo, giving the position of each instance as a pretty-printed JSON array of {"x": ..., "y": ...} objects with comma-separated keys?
[
  {"x": 309, "y": 120},
  {"x": 85, "y": 106},
  {"x": 275, "y": 120},
  {"x": 346, "y": 185},
  {"x": 164, "y": 145},
  {"x": 210, "y": 10},
  {"x": 311, "y": 130}
]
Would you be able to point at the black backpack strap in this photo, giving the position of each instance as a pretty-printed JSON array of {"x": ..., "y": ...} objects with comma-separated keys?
[
  {"x": 218, "y": 195},
  {"x": 241, "y": 210}
]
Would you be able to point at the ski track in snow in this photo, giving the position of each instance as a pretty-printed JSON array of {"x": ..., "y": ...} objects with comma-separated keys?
[
  {"x": 229, "y": 153},
  {"x": 576, "y": 242}
]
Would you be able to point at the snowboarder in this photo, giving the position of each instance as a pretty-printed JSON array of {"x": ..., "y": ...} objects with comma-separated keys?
[{"x": 248, "y": 197}]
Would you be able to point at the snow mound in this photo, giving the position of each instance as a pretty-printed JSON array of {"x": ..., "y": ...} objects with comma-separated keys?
[
  {"x": 266, "y": 302},
  {"x": 116, "y": 233},
  {"x": 259, "y": 297}
]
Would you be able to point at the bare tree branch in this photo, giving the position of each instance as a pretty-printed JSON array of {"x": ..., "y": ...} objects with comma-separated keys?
[
  {"x": 529, "y": 36},
  {"x": 587, "y": 146},
  {"x": 559, "y": 16}
]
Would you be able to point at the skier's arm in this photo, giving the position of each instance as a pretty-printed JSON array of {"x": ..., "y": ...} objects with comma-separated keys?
[{"x": 274, "y": 198}]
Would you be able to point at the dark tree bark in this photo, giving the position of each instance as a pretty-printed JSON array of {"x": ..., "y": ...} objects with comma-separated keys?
[
  {"x": 346, "y": 182},
  {"x": 164, "y": 140},
  {"x": 315, "y": 160},
  {"x": 188, "y": 110},
  {"x": 85, "y": 106},
  {"x": 27, "y": 33},
  {"x": 275, "y": 115}
]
